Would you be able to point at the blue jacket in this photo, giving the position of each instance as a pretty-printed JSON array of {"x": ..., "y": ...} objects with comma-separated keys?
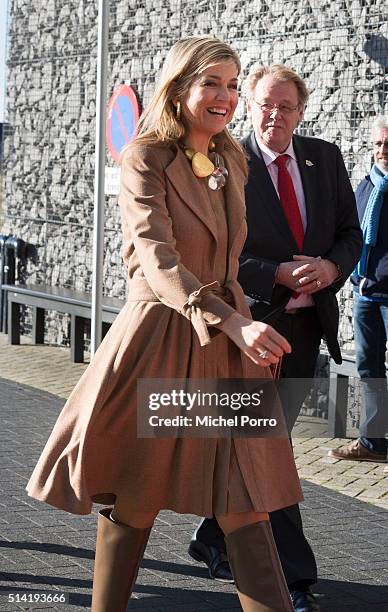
[{"x": 375, "y": 285}]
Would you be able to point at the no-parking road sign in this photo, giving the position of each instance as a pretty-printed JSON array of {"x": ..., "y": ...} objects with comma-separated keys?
[{"x": 121, "y": 121}]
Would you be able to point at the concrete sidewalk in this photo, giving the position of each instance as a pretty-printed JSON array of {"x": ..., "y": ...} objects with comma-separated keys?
[{"x": 43, "y": 550}]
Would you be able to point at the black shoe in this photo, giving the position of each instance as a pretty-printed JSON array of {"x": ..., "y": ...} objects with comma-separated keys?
[
  {"x": 215, "y": 558},
  {"x": 304, "y": 601}
]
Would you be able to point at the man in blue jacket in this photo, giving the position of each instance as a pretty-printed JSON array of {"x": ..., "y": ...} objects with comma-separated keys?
[{"x": 370, "y": 280}]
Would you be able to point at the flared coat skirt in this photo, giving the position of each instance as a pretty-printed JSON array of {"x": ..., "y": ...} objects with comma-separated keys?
[{"x": 95, "y": 455}]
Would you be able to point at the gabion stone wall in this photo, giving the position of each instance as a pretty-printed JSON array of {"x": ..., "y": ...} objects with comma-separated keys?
[{"x": 340, "y": 47}]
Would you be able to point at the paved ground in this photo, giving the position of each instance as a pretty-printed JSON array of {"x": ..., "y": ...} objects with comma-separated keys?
[
  {"x": 43, "y": 550},
  {"x": 49, "y": 369}
]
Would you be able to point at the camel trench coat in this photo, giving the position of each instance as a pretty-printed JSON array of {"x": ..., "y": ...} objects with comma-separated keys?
[{"x": 180, "y": 262}]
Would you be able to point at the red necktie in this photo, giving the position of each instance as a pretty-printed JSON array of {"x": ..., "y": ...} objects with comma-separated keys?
[{"x": 288, "y": 200}]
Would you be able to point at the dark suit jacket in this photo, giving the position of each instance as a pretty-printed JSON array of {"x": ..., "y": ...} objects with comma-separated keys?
[{"x": 332, "y": 230}]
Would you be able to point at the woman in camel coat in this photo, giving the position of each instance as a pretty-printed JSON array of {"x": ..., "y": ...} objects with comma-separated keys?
[{"x": 185, "y": 318}]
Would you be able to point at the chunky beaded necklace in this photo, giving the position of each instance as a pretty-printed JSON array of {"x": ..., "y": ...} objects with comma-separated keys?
[{"x": 204, "y": 166}]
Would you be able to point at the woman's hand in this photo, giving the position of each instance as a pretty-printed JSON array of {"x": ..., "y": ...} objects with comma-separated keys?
[{"x": 259, "y": 341}]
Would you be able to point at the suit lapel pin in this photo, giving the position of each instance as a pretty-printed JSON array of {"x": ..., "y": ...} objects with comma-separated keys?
[{"x": 309, "y": 163}]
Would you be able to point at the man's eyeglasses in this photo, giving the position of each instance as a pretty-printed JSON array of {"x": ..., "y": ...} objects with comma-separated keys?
[
  {"x": 268, "y": 107},
  {"x": 379, "y": 143}
]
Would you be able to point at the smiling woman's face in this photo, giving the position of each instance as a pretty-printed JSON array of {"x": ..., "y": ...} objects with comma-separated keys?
[{"x": 211, "y": 101}]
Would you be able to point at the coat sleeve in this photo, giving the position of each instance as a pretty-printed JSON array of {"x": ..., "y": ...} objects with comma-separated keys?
[
  {"x": 257, "y": 276},
  {"x": 147, "y": 222},
  {"x": 347, "y": 246}
]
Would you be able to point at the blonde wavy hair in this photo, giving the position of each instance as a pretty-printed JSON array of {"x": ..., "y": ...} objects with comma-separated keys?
[{"x": 186, "y": 59}]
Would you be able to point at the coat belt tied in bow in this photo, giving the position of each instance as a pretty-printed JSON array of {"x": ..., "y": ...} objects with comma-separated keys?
[{"x": 192, "y": 310}]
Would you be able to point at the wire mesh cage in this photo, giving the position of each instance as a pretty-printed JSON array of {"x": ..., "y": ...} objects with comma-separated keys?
[{"x": 339, "y": 47}]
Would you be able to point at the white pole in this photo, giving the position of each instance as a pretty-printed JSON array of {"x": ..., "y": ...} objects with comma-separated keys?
[{"x": 99, "y": 175}]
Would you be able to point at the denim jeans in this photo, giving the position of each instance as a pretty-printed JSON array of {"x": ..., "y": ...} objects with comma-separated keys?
[{"x": 371, "y": 332}]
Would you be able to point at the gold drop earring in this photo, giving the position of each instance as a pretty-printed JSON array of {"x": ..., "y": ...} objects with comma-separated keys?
[{"x": 178, "y": 111}]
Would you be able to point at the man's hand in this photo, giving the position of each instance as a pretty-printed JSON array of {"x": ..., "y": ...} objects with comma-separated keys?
[
  {"x": 306, "y": 274},
  {"x": 313, "y": 274},
  {"x": 285, "y": 274}
]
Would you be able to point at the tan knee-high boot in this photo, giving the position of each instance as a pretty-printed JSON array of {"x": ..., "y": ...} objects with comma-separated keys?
[
  {"x": 119, "y": 551},
  {"x": 256, "y": 568}
]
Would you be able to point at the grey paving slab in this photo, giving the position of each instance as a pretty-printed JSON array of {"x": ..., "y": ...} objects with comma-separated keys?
[{"x": 46, "y": 550}]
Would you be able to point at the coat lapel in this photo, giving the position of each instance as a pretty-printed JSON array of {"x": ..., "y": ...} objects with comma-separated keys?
[
  {"x": 308, "y": 171},
  {"x": 185, "y": 183},
  {"x": 234, "y": 196},
  {"x": 266, "y": 192}
]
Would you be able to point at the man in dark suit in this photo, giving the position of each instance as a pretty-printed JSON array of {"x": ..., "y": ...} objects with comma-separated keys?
[{"x": 303, "y": 242}]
